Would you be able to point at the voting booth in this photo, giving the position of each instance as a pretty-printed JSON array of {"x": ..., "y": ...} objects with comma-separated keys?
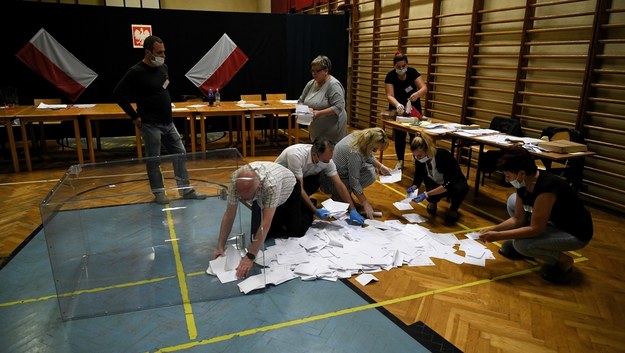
[{"x": 113, "y": 249}]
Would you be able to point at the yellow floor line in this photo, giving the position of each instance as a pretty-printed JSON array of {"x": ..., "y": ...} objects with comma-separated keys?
[
  {"x": 182, "y": 281},
  {"x": 345, "y": 311}
]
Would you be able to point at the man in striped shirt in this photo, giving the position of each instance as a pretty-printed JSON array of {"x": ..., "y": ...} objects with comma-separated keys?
[{"x": 274, "y": 193}]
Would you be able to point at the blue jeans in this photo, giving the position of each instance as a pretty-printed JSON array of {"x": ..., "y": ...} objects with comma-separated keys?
[
  {"x": 547, "y": 246},
  {"x": 153, "y": 135}
]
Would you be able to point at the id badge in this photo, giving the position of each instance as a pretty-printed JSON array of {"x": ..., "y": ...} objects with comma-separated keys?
[
  {"x": 408, "y": 89},
  {"x": 166, "y": 83}
]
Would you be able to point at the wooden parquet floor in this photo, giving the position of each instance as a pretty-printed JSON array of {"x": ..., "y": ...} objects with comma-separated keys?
[{"x": 503, "y": 307}]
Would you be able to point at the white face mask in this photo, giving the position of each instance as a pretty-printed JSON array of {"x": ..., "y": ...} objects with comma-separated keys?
[
  {"x": 517, "y": 184},
  {"x": 424, "y": 159},
  {"x": 157, "y": 60},
  {"x": 401, "y": 71},
  {"x": 322, "y": 165}
]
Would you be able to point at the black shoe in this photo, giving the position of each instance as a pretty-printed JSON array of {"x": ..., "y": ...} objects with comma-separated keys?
[
  {"x": 508, "y": 251},
  {"x": 160, "y": 198},
  {"x": 451, "y": 216},
  {"x": 555, "y": 274},
  {"x": 431, "y": 208}
]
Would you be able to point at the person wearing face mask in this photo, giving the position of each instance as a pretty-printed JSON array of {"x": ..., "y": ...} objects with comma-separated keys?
[
  {"x": 310, "y": 163},
  {"x": 146, "y": 84},
  {"x": 442, "y": 175},
  {"x": 274, "y": 193},
  {"x": 547, "y": 217},
  {"x": 402, "y": 84},
  {"x": 356, "y": 165},
  {"x": 325, "y": 96}
]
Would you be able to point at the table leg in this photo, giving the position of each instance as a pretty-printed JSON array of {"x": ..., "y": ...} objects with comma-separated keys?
[
  {"x": 192, "y": 132},
  {"x": 252, "y": 137},
  {"x": 12, "y": 146},
  {"x": 243, "y": 139},
  {"x": 138, "y": 142},
  {"x": 476, "y": 188},
  {"x": 290, "y": 127},
  {"x": 203, "y": 132},
  {"x": 90, "y": 140},
  {"x": 29, "y": 166},
  {"x": 81, "y": 159}
]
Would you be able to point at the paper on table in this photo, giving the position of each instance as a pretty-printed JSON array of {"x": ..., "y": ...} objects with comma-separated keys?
[
  {"x": 83, "y": 105},
  {"x": 197, "y": 105},
  {"x": 366, "y": 278},
  {"x": 51, "y": 106},
  {"x": 393, "y": 178},
  {"x": 288, "y": 101},
  {"x": 179, "y": 109}
]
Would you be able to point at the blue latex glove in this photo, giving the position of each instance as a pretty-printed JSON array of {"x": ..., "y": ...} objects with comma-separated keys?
[
  {"x": 355, "y": 218},
  {"x": 322, "y": 213},
  {"x": 410, "y": 190},
  {"x": 420, "y": 197}
]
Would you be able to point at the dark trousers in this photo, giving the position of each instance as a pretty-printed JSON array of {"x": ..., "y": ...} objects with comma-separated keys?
[
  {"x": 400, "y": 143},
  {"x": 291, "y": 219},
  {"x": 311, "y": 184},
  {"x": 455, "y": 191}
]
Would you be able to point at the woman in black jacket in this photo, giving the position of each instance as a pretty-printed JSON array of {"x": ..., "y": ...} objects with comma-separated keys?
[{"x": 442, "y": 176}]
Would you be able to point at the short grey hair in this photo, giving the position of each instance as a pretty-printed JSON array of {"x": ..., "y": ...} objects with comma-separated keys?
[{"x": 323, "y": 62}]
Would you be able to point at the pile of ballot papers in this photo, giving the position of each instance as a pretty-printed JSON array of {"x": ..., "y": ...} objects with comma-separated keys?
[{"x": 331, "y": 250}]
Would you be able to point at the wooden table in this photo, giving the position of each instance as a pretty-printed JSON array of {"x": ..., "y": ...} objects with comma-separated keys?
[
  {"x": 228, "y": 109},
  {"x": 32, "y": 114},
  {"x": 7, "y": 117},
  {"x": 411, "y": 129},
  {"x": 481, "y": 141},
  {"x": 275, "y": 108},
  {"x": 112, "y": 111}
]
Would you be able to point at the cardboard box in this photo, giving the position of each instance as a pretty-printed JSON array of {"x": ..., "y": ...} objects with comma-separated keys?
[{"x": 563, "y": 146}]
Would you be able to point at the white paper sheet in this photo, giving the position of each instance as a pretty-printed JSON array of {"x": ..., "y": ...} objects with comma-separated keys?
[
  {"x": 393, "y": 178},
  {"x": 366, "y": 278}
]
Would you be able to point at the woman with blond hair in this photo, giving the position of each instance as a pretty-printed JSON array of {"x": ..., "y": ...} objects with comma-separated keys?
[
  {"x": 356, "y": 164},
  {"x": 442, "y": 175}
]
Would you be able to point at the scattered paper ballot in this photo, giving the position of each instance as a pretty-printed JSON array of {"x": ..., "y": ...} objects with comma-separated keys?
[
  {"x": 403, "y": 206},
  {"x": 224, "y": 267},
  {"x": 366, "y": 278},
  {"x": 393, "y": 178},
  {"x": 414, "y": 218},
  {"x": 335, "y": 207},
  {"x": 303, "y": 113}
]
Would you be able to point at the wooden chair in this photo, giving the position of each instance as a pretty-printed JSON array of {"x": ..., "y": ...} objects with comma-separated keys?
[
  {"x": 275, "y": 120},
  {"x": 42, "y": 124},
  {"x": 257, "y": 99}
]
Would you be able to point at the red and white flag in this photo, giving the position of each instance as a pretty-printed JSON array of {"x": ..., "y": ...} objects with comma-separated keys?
[
  {"x": 218, "y": 66},
  {"x": 47, "y": 57}
]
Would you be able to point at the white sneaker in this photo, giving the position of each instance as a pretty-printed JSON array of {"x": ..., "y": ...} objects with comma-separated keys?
[{"x": 399, "y": 165}]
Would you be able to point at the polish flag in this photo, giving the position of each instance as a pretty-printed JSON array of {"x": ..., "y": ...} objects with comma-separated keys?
[
  {"x": 218, "y": 66},
  {"x": 47, "y": 57}
]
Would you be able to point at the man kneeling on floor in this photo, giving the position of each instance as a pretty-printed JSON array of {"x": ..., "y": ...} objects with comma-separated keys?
[{"x": 279, "y": 193}]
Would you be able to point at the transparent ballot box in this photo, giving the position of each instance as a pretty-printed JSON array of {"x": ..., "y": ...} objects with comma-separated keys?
[{"x": 113, "y": 249}]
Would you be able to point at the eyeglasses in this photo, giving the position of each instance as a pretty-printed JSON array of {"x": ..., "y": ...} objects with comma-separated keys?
[{"x": 313, "y": 71}]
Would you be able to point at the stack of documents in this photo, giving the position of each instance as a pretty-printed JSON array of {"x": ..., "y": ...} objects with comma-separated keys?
[{"x": 304, "y": 115}]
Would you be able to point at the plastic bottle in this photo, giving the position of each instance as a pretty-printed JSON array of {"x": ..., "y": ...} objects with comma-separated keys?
[
  {"x": 217, "y": 97},
  {"x": 211, "y": 97}
]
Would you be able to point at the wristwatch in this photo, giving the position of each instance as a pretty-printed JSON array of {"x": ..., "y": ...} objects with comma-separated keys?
[{"x": 250, "y": 256}]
